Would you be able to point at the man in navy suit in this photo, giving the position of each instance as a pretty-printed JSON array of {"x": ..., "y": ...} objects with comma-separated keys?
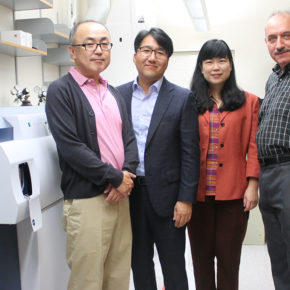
[{"x": 166, "y": 127}]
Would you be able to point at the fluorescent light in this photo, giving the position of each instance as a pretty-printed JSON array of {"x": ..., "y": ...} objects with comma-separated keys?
[
  {"x": 200, "y": 24},
  {"x": 197, "y": 10}
]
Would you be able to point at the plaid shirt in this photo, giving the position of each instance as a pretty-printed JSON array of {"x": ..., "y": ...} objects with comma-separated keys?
[
  {"x": 212, "y": 154},
  {"x": 273, "y": 137}
]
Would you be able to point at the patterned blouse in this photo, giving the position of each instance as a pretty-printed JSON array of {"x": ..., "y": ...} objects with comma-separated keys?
[{"x": 212, "y": 154}]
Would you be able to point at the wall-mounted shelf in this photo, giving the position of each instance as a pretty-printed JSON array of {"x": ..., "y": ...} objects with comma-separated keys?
[
  {"x": 44, "y": 29},
  {"x": 60, "y": 35},
  {"x": 19, "y": 5},
  {"x": 14, "y": 49},
  {"x": 58, "y": 56}
]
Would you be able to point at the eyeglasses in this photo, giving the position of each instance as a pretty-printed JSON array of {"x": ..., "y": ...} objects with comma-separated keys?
[
  {"x": 93, "y": 46},
  {"x": 146, "y": 51}
]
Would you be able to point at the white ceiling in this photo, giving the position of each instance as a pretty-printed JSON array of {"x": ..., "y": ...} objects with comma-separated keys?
[{"x": 220, "y": 12}]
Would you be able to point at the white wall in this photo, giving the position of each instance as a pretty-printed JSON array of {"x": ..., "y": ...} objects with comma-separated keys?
[
  {"x": 7, "y": 63},
  {"x": 119, "y": 22}
]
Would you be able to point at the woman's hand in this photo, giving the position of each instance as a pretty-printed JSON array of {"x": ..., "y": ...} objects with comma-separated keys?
[{"x": 251, "y": 194}]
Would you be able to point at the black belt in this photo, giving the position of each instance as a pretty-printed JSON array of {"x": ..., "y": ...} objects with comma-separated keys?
[
  {"x": 264, "y": 161},
  {"x": 140, "y": 180}
]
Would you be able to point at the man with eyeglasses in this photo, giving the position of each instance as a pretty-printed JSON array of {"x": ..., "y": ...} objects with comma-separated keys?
[
  {"x": 166, "y": 127},
  {"x": 98, "y": 156}
]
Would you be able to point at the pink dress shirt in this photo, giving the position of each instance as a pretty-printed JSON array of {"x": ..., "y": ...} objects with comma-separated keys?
[{"x": 108, "y": 119}]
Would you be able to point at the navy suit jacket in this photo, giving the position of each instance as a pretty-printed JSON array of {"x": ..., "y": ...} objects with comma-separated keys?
[{"x": 172, "y": 147}]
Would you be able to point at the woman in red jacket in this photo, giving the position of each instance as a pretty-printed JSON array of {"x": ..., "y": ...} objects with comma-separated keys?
[{"x": 229, "y": 168}]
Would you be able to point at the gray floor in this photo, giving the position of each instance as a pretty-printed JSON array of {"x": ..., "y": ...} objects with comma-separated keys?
[{"x": 255, "y": 269}]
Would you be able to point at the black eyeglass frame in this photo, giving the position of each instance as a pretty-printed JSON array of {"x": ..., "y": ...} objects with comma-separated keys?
[
  {"x": 96, "y": 44},
  {"x": 159, "y": 53}
]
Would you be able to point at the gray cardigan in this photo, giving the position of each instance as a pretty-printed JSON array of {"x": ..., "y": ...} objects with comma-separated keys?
[{"x": 72, "y": 123}]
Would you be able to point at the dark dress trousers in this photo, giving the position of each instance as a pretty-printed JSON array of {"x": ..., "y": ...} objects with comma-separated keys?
[{"x": 171, "y": 174}]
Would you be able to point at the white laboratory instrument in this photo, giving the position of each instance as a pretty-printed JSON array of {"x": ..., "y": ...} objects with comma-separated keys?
[{"x": 32, "y": 246}]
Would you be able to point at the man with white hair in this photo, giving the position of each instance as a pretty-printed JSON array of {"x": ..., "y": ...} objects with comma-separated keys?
[{"x": 273, "y": 140}]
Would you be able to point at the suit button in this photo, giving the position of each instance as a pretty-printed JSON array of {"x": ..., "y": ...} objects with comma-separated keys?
[
  {"x": 222, "y": 124},
  {"x": 220, "y": 165},
  {"x": 222, "y": 145}
]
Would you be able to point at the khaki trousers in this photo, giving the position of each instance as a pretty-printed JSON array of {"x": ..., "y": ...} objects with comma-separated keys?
[{"x": 99, "y": 241}]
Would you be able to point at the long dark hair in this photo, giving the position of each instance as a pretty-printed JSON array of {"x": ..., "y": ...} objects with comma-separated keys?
[{"x": 232, "y": 97}]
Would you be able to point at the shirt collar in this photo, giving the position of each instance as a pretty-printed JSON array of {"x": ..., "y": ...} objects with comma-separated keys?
[
  {"x": 215, "y": 105},
  {"x": 277, "y": 69},
  {"x": 157, "y": 85},
  {"x": 82, "y": 80}
]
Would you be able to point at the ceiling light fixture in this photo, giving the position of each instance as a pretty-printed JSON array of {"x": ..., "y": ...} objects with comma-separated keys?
[{"x": 198, "y": 12}]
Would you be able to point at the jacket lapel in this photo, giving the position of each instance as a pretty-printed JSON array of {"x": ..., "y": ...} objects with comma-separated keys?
[
  {"x": 205, "y": 115},
  {"x": 128, "y": 99},
  {"x": 163, "y": 100},
  {"x": 223, "y": 115}
]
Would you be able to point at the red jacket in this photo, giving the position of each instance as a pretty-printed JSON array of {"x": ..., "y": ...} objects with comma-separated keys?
[{"x": 237, "y": 150}]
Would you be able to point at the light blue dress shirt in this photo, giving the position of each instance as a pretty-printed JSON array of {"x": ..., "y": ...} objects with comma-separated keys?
[{"x": 142, "y": 109}]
